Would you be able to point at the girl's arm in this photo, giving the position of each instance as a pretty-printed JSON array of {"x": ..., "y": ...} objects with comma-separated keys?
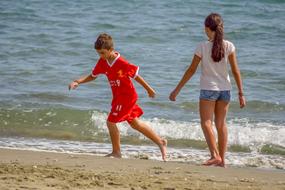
[
  {"x": 237, "y": 76},
  {"x": 187, "y": 75},
  {"x": 147, "y": 87},
  {"x": 74, "y": 84}
]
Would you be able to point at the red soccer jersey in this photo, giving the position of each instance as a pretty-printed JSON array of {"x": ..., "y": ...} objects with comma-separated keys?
[{"x": 119, "y": 74}]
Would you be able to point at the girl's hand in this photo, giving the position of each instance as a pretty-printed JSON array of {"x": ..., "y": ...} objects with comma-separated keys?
[
  {"x": 173, "y": 95},
  {"x": 151, "y": 93},
  {"x": 242, "y": 101},
  {"x": 73, "y": 85}
]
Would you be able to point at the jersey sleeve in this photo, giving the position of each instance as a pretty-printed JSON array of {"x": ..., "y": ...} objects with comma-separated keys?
[
  {"x": 198, "y": 50},
  {"x": 131, "y": 70},
  {"x": 98, "y": 69}
]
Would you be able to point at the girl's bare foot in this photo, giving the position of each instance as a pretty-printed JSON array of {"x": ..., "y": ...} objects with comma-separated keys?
[
  {"x": 222, "y": 164},
  {"x": 162, "y": 147},
  {"x": 114, "y": 155},
  {"x": 213, "y": 161}
]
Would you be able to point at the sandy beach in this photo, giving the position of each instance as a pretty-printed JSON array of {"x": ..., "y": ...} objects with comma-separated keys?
[{"x": 44, "y": 170}]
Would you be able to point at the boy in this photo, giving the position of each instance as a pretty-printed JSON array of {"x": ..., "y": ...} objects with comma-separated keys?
[{"x": 124, "y": 108}]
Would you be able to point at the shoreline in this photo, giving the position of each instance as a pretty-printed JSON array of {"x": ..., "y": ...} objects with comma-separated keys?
[{"x": 24, "y": 169}]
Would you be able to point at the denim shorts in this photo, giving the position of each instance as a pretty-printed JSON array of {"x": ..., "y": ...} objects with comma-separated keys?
[{"x": 212, "y": 95}]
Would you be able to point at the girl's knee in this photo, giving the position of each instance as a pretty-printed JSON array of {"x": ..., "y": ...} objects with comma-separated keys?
[
  {"x": 206, "y": 124},
  {"x": 221, "y": 126}
]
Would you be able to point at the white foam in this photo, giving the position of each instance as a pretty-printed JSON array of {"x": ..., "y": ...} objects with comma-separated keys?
[
  {"x": 150, "y": 152},
  {"x": 241, "y": 131}
]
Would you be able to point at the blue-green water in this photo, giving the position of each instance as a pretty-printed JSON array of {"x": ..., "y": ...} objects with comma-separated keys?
[{"x": 46, "y": 44}]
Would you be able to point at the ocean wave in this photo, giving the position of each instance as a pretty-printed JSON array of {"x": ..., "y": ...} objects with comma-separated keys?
[{"x": 245, "y": 135}]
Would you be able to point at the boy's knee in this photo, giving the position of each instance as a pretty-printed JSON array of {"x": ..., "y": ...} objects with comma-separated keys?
[{"x": 134, "y": 124}]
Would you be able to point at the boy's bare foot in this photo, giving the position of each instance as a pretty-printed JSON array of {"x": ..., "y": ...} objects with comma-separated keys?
[
  {"x": 213, "y": 161},
  {"x": 114, "y": 155},
  {"x": 162, "y": 147}
]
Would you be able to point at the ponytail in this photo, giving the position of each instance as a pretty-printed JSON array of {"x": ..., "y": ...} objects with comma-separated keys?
[{"x": 215, "y": 23}]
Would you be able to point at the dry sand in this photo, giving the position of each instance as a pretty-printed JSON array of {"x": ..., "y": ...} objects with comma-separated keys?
[{"x": 44, "y": 170}]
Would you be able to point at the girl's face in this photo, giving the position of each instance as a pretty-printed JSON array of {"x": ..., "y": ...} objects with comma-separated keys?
[
  {"x": 104, "y": 53},
  {"x": 210, "y": 33}
]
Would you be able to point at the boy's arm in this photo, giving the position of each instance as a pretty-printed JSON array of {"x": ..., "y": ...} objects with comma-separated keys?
[
  {"x": 147, "y": 87},
  {"x": 237, "y": 76},
  {"x": 74, "y": 84},
  {"x": 187, "y": 75}
]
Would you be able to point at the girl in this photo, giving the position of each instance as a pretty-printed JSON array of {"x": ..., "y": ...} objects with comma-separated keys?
[{"x": 214, "y": 55}]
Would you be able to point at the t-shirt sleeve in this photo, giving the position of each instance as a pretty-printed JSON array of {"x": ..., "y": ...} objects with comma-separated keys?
[
  {"x": 98, "y": 69},
  {"x": 131, "y": 70},
  {"x": 230, "y": 48},
  {"x": 198, "y": 50}
]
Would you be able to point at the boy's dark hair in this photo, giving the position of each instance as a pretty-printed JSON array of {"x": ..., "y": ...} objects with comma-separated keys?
[
  {"x": 104, "y": 41},
  {"x": 215, "y": 22}
]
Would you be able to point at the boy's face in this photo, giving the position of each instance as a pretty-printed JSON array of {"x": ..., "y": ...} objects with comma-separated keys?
[{"x": 104, "y": 53}]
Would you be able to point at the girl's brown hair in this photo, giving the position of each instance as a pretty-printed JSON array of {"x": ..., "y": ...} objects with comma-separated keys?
[
  {"x": 104, "y": 41},
  {"x": 215, "y": 22}
]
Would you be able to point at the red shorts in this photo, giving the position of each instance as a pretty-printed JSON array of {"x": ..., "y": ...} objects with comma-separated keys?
[{"x": 124, "y": 112}]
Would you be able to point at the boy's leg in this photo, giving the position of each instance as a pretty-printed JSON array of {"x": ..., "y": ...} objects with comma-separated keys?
[
  {"x": 149, "y": 133},
  {"x": 221, "y": 110},
  {"x": 115, "y": 139},
  {"x": 207, "y": 108}
]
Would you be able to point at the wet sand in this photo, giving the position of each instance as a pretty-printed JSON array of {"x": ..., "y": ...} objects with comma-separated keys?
[{"x": 44, "y": 170}]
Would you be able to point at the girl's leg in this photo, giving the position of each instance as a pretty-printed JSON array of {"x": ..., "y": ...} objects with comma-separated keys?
[
  {"x": 115, "y": 139},
  {"x": 206, "y": 115},
  {"x": 149, "y": 133},
  {"x": 221, "y": 110}
]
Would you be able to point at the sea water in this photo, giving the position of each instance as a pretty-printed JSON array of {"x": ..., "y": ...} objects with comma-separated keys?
[{"x": 44, "y": 45}]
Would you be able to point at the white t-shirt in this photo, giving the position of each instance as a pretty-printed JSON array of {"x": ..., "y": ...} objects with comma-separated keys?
[{"x": 214, "y": 75}]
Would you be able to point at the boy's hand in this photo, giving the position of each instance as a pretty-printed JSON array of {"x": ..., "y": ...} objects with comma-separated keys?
[
  {"x": 173, "y": 95},
  {"x": 151, "y": 93},
  {"x": 73, "y": 85}
]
